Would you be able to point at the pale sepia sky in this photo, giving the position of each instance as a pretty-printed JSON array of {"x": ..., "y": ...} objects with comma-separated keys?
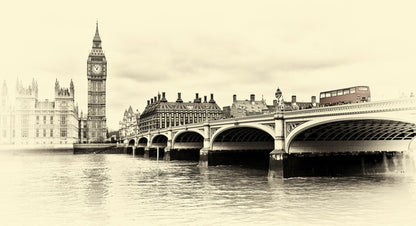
[{"x": 217, "y": 46}]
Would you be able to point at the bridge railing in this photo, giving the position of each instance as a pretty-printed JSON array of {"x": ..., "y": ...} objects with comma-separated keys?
[{"x": 376, "y": 106}]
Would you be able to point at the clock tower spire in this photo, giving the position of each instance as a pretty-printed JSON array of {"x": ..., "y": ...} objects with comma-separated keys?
[
  {"x": 97, "y": 76},
  {"x": 97, "y": 40}
]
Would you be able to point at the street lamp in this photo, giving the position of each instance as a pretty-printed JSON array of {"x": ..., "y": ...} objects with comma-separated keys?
[{"x": 279, "y": 95}]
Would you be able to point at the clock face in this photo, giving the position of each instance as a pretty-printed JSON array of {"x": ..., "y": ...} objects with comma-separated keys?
[{"x": 96, "y": 69}]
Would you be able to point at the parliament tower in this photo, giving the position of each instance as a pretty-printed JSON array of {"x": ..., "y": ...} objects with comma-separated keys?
[{"x": 97, "y": 74}]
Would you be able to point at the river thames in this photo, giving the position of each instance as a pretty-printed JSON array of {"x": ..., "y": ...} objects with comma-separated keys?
[{"x": 59, "y": 188}]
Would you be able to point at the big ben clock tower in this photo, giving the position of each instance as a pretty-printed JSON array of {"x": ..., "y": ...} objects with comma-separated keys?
[{"x": 97, "y": 75}]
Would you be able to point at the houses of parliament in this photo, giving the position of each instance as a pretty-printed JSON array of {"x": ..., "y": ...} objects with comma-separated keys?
[{"x": 26, "y": 120}]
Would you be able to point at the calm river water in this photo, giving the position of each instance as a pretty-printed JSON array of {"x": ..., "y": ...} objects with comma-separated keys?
[{"x": 47, "y": 188}]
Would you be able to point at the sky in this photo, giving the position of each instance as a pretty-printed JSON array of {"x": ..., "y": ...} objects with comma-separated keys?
[{"x": 217, "y": 46}]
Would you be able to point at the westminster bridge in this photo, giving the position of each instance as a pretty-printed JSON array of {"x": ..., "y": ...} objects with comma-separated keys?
[{"x": 317, "y": 141}]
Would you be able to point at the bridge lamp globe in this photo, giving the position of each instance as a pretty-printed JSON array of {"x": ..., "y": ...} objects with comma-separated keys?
[{"x": 278, "y": 95}]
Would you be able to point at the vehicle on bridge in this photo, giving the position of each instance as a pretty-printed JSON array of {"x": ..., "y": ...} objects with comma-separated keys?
[{"x": 356, "y": 94}]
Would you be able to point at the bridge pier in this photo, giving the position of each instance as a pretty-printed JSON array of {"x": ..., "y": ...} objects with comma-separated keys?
[
  {"x": 276, "y": 166},
  {"x": 278, "y": 155},
  {"x": 203, "y": 157},
  {"x": 167, "y": 149},
  {"x": 166, "y": 155},
  {"x": 204, "y": 152},
  {"x": 146, "y": 152}
]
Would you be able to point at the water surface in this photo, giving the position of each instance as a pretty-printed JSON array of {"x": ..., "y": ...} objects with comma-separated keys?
[{"x": 50, "y": 188}]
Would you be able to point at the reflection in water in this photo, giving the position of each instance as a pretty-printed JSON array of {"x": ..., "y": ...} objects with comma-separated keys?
[
  {"x": 96, "y": 180},
  {"x": 66, "y": 189}
]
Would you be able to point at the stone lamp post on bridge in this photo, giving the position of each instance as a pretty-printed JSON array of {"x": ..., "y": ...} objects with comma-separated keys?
[
  {"x": 277, "y": 155},
  {"x": 279, "y": 97}
]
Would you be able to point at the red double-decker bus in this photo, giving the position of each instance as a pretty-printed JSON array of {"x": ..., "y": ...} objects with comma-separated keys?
[{"x": 349, "y": 95}]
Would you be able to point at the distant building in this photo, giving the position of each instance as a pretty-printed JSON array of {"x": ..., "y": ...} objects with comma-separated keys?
[
  {"x": 226, "y": 111},
  {"x": 83, "y": 128},
  {"x": 292, "y": 105},
  {"x": 129, "y": 126},
  {"x": 159, "y": 113},
  {"x": 242, "y": 108},
  {"x": 349, "y": 95},
  {"x": 26, "y": 120}
]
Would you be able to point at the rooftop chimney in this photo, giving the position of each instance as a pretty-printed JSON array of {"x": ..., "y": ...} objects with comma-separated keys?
[
  {"x": 212, "y": 101},
  {"x": 197, "y": 99},
  {"x": 148, "y": 102},
  {"x": 179, "y": 100},
  {"x": 158, "y": 97},
  {"x": 313, "y": 100},
  {"x": 163, "y": 97},
  {"x": 294, "y": 99},
  {"x": 252, "y": 97},
  {"x": 151, "y": 101},
  {"x": 205, "y": 99},
  {"x": 234, "y": 98}
]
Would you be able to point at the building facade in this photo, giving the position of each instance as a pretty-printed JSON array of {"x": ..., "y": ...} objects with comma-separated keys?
[
  {"x": 26, "y": 120},
  {"x": 241, "y": 108},
  {"x": 159, "y": 113},
  {"x": 83, "y": 128},
  {"x": 129, "y": 126},
  {"x": 97, "y": 76},
  {"x": 292, "y": 105}
]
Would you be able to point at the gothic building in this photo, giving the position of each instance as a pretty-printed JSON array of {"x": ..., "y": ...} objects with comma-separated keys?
[
  {"x": 159, "y": 113},
  {"x": 97, "y": 74},
  {"x": 26, "y": 120},
  {"x": 129, "y": 126}
]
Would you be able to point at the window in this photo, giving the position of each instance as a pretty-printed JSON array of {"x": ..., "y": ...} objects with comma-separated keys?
[
  {"x": 346, "y": 91},
  {"x": 340, "y": 93},
  {"x": 44, "y": 119},
  {"x": 51, "y": 119},
  {"x": 37, "y": 132},
  {"x": 322, "y": 95},
  {"x": 327, "y": 94},
  {"x": 352, "y": 90},
  {"x": 334, "y": 93},
  {"x": 37, "y": 119},
  {"x": 362, "y": 88},
  {"x": 51, "y": 133},
  {"x": 63, "y": 132},
  {"x": 63, "y": 119},
  {"x": 44, "y": 132}
]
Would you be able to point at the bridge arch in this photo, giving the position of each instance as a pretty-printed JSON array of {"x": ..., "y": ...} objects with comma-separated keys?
[
  {"x": 242, "y": 145},
  {"x": 132, "y": 142},
  {"x": 142, "y": 142},
  {"x": 159, "y": 140},
  {"x": 188, "y": 136},
  {"x": 371, "y": 130},
  {"x": 186, "y": 145},
  {"x": 263, "y": 128}
]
